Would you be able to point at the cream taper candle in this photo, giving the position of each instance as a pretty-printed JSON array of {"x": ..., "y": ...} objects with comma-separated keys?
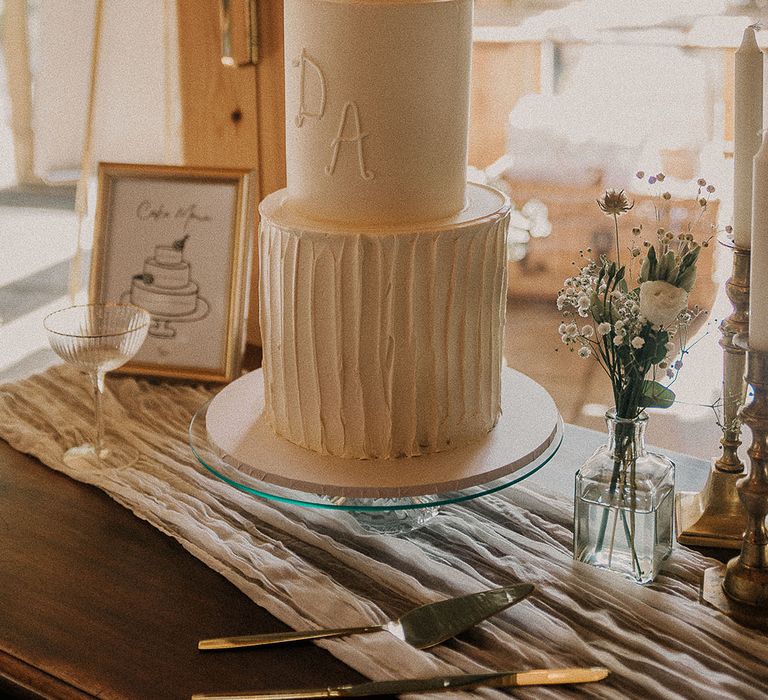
[
  {"x": 748, "y": 121},
  {"x": 758, "y": 275}
]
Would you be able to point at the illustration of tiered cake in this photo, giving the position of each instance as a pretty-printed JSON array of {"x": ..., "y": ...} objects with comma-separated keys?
[{"x": 165, "y": 289}]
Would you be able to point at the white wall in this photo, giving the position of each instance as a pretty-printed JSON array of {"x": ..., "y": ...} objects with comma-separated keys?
[{"x": 137, "y": 109}]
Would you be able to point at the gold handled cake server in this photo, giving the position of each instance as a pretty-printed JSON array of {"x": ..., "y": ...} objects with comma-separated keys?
[
  {"x": 553, "y": 676},
  {"x": 421, "y": 627}
]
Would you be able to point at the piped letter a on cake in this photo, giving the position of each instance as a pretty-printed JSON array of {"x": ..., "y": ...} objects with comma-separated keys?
[{"x": 355, "y": 137}]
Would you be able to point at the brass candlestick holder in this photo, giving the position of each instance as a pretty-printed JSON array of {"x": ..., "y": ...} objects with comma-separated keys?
[
  {"x": 715, "y": 517},
  {"x": 740, "y": 589}
]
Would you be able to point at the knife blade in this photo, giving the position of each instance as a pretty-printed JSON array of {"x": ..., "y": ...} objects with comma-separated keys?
[
  {"x": 422, "y": 627},
  {"x": 467, "y": 681}
]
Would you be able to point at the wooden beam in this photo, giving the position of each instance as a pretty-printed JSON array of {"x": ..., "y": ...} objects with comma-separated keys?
[
  {"x": 234, "y": 116},
  {"x": 271, "y": 97},
  {"x": 218, "y": 102}
]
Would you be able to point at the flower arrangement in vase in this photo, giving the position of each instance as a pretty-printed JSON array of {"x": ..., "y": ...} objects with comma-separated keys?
[{"x": 633, "y": 317}]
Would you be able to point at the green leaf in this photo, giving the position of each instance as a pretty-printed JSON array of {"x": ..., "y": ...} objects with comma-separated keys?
[
  {"x": 687, "y": 279},
  {"x": 692, "y": 255},
  {"x": 655, "y": 395},
  {"x": 658, "y": 346},
  {"x": 648, "y": 271},
  {"x": 666, "y": 271},
  {"x": 645, "y": 270},
  {"x": 598, "y": 311}
]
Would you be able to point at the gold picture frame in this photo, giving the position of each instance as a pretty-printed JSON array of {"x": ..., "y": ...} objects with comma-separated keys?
[{"x": 177, "y": 241}]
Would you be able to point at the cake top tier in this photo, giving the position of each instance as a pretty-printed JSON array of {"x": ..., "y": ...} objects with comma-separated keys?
[{"x": 377, "y": 103}]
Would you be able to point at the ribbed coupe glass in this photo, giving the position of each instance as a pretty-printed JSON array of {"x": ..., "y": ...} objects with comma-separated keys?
[{"x": 96, "y": 338}]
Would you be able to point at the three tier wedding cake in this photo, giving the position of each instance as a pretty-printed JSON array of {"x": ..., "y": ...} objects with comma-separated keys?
[{"x": 383, "y": 272}]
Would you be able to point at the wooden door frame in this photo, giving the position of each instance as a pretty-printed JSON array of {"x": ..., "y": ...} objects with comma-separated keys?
[{"x": 233, "y": 116}]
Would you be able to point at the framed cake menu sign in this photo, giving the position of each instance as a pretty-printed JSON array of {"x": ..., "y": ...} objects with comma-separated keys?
[{"x": 176, "y": 241}]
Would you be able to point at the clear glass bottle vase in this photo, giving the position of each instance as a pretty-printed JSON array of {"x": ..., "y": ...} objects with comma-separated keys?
[{"x": 624, "y": 503}]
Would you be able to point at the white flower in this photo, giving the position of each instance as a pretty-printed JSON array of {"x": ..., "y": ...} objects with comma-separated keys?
[
  {"x": 561, "y": 329},
  {"x": 618, "y": 339},
  {"x": 619, "y": 325},
  {"x": 637, "y": 342},
  {"x": 587, "y": 331},
  {"x": 571, "y": 329},
  {"x": 604, "y": 328},
  {"x": 661, "y": 302},
  {"x": 584, "y": 302},
  {"x": 584, "y": 351}
]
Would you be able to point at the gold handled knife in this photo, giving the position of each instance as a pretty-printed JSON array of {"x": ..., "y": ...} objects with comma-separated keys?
[{"x": 551, "y": 676}]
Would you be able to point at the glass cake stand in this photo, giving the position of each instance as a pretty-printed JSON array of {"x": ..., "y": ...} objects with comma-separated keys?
[{"x": 390, "y": 515}]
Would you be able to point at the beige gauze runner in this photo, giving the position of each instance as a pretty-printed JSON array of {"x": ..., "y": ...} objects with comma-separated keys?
[{"x": 318, "y": 568}]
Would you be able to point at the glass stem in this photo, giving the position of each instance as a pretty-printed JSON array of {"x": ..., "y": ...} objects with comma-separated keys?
[
  {"x": 624, "y": 448},
  {"x": 98, "y": 391}
]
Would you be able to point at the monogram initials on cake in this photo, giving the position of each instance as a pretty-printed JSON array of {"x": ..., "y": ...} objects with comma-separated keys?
[{"x": 302, "y": 62}]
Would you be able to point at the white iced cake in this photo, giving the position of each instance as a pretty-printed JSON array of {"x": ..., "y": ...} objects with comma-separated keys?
[{"x": 383, "y": 273}]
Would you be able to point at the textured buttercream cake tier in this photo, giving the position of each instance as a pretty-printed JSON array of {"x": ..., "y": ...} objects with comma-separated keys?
[
  {"x": 377, "y": 102},
  {"x": 383, "y": 342}
]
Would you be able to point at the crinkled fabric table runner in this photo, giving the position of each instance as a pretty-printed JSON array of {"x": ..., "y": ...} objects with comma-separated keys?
[{"x": 317, "y": 568}]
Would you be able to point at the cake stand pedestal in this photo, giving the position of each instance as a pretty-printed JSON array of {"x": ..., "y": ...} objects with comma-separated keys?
[{"x": 231, "y": 437}]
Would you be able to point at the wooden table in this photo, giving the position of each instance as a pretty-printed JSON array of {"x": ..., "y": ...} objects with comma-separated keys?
[{"x": 97, "y": 603}]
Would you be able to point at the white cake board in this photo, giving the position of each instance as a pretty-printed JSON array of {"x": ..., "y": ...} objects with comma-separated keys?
[{"x": 238, "y": 428}]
